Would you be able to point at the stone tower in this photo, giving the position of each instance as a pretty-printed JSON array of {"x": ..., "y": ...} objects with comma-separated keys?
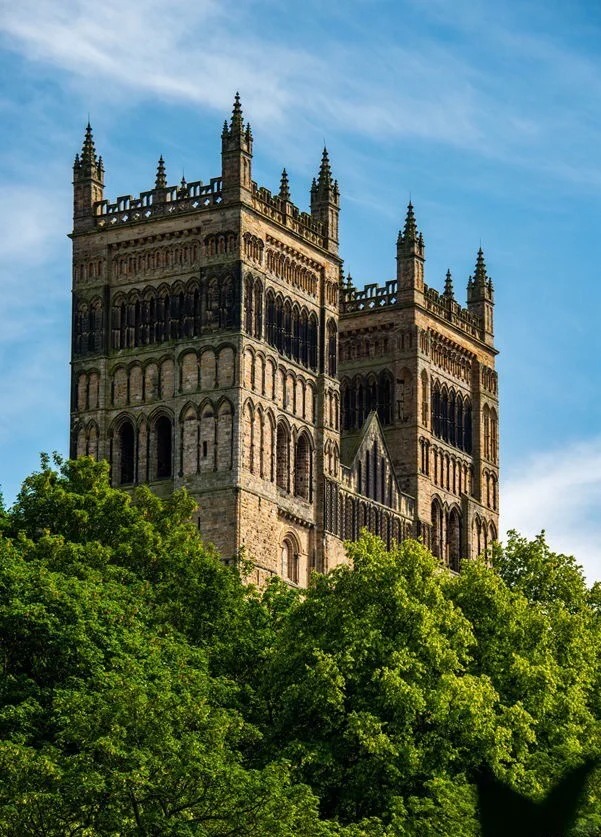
[
  {"x": 206, "y": 326},
  {"x": 437, "y": 359}
]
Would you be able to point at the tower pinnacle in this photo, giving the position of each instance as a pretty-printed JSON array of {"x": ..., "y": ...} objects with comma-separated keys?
[
  {"x": 448, "y": 285},
  {"x": 88, "y": 151},
  {"x": 88, "y": 181},
  {"x": 237, "y": 122},
  {"x": 410, "y": 228},
  {"x": 284, "y": 186},
  {"x": 481, "y": 277},
  {"x": 324, "y": 180},
  {"x": 161, "y": 177}
]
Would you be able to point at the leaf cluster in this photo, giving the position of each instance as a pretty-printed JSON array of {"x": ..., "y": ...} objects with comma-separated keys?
[{"x": 146, "y": 690}]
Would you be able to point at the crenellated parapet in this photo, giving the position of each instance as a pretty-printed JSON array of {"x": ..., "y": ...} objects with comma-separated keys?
[
  {"x": 284, "y": 212},
  {"x": 159, "y": 203},
  {"x": 374, "y": 296}
]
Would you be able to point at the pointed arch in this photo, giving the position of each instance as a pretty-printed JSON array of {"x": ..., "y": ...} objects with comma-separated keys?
[
  {"x": 283, "y": 456},
  {"x": 437, "y": 522},
  {"x": 303, "y": 467},
  {"x": 454, "y": 539}
]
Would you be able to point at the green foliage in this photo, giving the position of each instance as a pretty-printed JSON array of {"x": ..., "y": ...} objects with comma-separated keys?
[
  {"x": 145, "y": 690},
  {"x": 117, "y": 714}
]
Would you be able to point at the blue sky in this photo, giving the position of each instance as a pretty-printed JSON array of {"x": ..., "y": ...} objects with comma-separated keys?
[{"x": 487, "y": 114}]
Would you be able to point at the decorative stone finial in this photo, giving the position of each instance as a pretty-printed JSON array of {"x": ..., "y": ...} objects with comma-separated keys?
[
  {"x": 161, "y": 178},
  {"x": 284, "y": 186},
  {"x": 324, "y": 180},
  {"x": 88, "y": 151},
  {"x": 480, "y": 274},
  {"x": 410, "y": 228},
  {"x": 448, "y": 285},
  {"x": 237, "y": 122}
]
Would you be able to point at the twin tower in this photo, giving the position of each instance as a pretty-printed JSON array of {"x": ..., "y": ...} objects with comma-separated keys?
[{"x": 218, "y": 346}]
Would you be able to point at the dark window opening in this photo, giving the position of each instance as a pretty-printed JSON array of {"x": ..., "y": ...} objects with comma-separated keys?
[
  {"x": 164, "y": 448},
  {"x": 126, "y": 446}
]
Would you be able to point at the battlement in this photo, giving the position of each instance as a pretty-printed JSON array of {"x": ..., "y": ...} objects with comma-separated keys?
[
  {"x": 284, "y": 212},
  {"x": 157, "y": 203},
  {"x": 374, "y": 296},
  {"x": 448, "y": 308}
]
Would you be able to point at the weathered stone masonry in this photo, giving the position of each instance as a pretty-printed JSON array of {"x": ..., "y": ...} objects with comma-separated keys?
[{"x": 217, "y": 346}]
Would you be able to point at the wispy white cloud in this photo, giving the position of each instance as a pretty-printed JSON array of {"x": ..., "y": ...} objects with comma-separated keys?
[
  {"x": 201, "y": 51},
  {"x": 32, "y": 223},
  {"x": 559, "y": 491},
  {"x": 510, "y": 98}
]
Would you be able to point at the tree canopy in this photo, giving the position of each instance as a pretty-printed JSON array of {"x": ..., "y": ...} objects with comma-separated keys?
[{"x": 146, "y": 690}]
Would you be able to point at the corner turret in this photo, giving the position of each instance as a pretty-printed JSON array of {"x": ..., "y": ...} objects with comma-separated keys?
[
  {"x": 88, "y": 183},
  {"x": 325, "y": 202},
  {"x": 410, "y": 256},
  {"x": 236, "y": 157},
  {"x": 480, "y": 298}
]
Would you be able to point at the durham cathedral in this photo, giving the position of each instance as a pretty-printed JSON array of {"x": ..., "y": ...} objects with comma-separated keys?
[{"x": 218, "y": 346}]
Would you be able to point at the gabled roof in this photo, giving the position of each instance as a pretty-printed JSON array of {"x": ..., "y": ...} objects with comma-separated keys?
[{"x": 352, "y": 446}]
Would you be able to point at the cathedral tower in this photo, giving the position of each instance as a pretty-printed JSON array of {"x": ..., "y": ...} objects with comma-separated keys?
[{"x": 207, "y": 318}]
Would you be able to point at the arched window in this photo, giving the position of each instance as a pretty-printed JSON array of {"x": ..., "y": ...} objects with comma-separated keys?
[
  {"x": 270, "y": 315},
  {"x": 385, "y": 398},
  {"x": 127, "y": 453},
  {"x": 486, "y": 423},
  {"x": 248, "y": 305},
  {"x": 437, "y": 529},
  {"x": 452, "y": 418},
  {"x": 460, "y": 409},
  {"x": 436, "y": 411},
  {"x": 302, "y": 468},
  {"x": 295, "y": 333},
  {"x": 303, "y": 338},
  {"x": 289, "y": 560},
  {"x": 494, "y": 436},
  {"x": 287, "y": 328},
  {"x": 164, "y": 447},
  {"x": 444, "y": 411},
  {"x": 454, "y": 540},
  {"x": 371, "y": 395},
  {"x": 332, "y": 348},
  {"x": 226, "y": 303},
  {"x": 279, "y": 325},
  {"x": 283, "y": 457},
  {"x": 312, "y": 340},
  {"x": 258, "y": 310},
  {"x": 467, "y": 426}
]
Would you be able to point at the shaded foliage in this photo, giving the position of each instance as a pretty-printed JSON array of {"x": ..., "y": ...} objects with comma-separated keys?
[{"x": 146, "y": 690}]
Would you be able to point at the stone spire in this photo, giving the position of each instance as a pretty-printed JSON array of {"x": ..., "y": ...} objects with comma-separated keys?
[
  {"x": 237, "y": 121},
  {"x": 410, "y": 228},
  {"x": 481, "y": 278},
  {"x": 448, "y": 285},
  {"x": 236, "y": 156},
  {"x": 88, "y": 151},
  {"x": 480, "y": 298},
  {"x": 161, "y": 178},
  {"x": 410, "y": 253},
  {"x": 182, "y": 190},
  {"x": 325, "y": 201},
  {"x": 324, "y": 180},
  {"x": 88, "y": 183},
  {"x": 284, "y": 186}
]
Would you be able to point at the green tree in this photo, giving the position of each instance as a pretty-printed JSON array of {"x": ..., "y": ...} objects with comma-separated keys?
[
  {"x": 369, "y": 695},
  {"x": 114, "y": 718}
]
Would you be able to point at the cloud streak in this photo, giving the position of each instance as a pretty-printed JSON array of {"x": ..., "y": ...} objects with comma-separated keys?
[
  {"x": 420, "y": 87},
  {"x": 559, "y": 491}
]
